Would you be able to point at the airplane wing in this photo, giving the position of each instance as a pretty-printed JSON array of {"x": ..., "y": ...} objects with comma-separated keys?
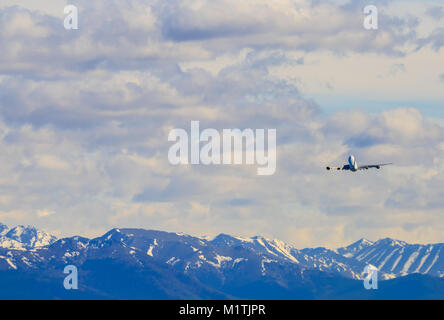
[
  {"x": 375, "y": 166},
  {"x": 344, "y": 167}
]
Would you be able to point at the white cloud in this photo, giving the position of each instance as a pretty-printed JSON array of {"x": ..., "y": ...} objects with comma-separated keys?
[
  {"x": 45, "y": 213},
  {"x": 85, "y": 118}
]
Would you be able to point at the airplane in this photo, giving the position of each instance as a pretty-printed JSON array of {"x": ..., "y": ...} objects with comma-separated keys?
[{"x": 353, "y": 165}]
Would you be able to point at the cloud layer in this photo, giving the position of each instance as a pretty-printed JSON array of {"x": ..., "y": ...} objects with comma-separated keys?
[{"x": 85, "y": 116}]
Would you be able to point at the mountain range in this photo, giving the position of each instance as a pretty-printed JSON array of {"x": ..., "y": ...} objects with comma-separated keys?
[{"x": 148, "y": 264}]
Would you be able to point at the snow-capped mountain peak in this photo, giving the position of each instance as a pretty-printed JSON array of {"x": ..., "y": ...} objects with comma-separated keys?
[
  {"x": 222, "y": 254},
  {"x": 21, "y": 237},
  {"x": 3, "y": 229},
  {"x": 391, "y": 242},
  {"x": 351, "y": 250}
]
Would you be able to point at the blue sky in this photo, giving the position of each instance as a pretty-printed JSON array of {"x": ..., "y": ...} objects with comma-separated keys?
[{"x": 85, "y": 116}]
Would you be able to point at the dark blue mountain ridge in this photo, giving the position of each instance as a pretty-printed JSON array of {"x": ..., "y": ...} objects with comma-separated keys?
[{"x": 149, "y": 264}]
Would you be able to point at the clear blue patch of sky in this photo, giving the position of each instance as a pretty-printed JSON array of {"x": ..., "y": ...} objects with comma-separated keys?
[{"x": 333, "y": 103}]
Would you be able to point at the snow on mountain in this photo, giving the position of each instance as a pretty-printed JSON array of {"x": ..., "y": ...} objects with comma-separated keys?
[
  {"x": 22, "y": 238},
  {"x": 358, "y": 246},
  {"x": 219, "y": 258},
  {"x": 398, "y": 258},
  {"x": 224, "y": 252},
  {"x": 3, "y": 229}
]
